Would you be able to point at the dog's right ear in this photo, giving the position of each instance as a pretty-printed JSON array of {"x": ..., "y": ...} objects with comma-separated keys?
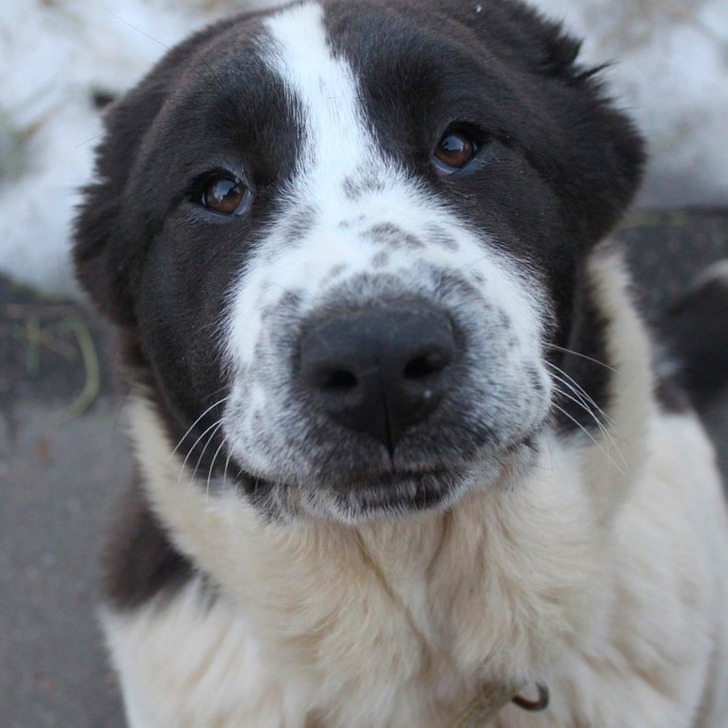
[{"x": 106, "y": 261}]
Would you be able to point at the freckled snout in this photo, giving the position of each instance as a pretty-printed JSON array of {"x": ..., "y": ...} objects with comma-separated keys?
[{"x": 379, "y": 370}]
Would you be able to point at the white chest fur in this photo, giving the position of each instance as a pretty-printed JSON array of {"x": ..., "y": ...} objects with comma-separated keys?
[{"x": 400, "y": 624}]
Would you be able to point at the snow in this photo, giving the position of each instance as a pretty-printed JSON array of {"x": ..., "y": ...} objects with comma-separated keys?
[{"x": 671, "y": 74}]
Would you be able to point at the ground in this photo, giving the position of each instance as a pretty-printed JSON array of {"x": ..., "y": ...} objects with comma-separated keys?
[{"x": 64, "y": 460}]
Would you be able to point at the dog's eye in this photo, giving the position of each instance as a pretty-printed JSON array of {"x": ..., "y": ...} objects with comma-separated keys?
[
  {"x": 225, "y": 194},
  {"x": 456, "y": 148}
]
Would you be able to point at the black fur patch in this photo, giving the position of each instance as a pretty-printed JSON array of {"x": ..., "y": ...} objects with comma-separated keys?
[
  {"x": 140, "y": 561},
  {"x": 671, "y": 397},
  {"x": 697, "y": 330},
  {"x": 581, "y": 369},
  {"x": 101, "y": 98}
]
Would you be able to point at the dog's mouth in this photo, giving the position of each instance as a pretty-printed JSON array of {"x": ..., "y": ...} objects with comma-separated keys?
[
  {"x": 360, "y": 497},
  {"x": 353, "y": 497},
  {"x": 399, "y": 493}
]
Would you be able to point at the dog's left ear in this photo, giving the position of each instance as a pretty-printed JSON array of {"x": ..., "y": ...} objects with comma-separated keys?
[
  {"x": 588, "y": 150},
  {"x": 538, "y": 43}
]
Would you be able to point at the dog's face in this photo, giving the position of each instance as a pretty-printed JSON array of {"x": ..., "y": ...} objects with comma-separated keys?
[{"x": 344, "y": 237}]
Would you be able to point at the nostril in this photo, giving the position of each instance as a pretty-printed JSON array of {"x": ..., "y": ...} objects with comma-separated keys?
[
  {"x": 425, "y": 365},
  {"x": 338, "y": 380}
]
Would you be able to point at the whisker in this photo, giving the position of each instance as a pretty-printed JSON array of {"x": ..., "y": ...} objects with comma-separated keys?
[
  {"x": 225, "y": 471},
  {"x": 138, "y": 30},
  {"x": 579, "y": 401},
  {"x": 606, "y": 434},
  {"x": 586, "y": 402},
  {"x": 582, "y": 356},
  {"x": 207, "y": 444},
  {"x": 591, "y": 437},
  {"x": 192, "y": 426},
  {"x": 575, "y": 387},
  {"x": 580, "y": 398},
  {"x": 209, "y": 475},
  {"x": 212, "y": 465},
  {"x": 216, "y": 424}
]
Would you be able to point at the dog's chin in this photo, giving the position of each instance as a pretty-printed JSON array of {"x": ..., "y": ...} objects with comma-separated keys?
[{"x": 394, "y": 494}]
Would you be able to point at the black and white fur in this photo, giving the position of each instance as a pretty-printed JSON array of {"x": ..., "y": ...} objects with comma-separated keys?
[{"x": 546, "y": 518}]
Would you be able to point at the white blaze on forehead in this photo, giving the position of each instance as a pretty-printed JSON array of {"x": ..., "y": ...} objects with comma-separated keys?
[{"x": 336, "y": 139}]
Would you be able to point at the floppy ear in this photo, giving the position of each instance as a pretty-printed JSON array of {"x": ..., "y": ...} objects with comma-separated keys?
[
  {"x": 595, "y": 155},
  {"x": 536, "y": 42},
  {"x": 106, "y": 261},
  {"x": 98, "y": 251}
]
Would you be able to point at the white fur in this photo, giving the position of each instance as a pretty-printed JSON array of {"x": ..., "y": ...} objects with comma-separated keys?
[
  {"x": 716, "y": 272},
  {"x": 603, "y": 578}
]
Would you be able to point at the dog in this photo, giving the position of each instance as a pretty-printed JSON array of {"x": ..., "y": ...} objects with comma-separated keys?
[{"x": 406, "y": 453}]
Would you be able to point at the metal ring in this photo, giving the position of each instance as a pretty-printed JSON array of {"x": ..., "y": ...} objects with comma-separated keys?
[{"x": 533, "y": 706}]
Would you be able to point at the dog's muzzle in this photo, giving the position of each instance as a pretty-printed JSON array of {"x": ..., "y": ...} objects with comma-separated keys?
[{"x": 384, "y": 393}]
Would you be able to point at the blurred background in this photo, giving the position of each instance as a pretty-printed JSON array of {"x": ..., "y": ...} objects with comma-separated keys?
[{"x": 63, "y": 455}]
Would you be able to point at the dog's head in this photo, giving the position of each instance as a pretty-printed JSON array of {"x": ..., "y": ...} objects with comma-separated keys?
[{"x": 344, "y": 236}]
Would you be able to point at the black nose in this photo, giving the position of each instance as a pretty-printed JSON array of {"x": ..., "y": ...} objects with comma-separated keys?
[{"x": 379, "y": 370}]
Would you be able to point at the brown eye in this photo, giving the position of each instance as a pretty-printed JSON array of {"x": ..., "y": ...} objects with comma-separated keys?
[
  {"x": 225, "y": 194},
  {"x": 453, "y": 151}
]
